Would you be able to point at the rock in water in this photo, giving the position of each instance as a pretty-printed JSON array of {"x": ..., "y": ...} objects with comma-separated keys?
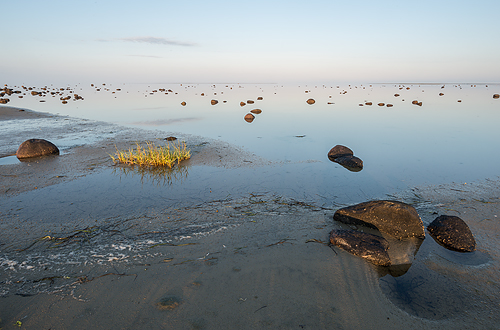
[
  {"x": 397, "y": 219},
  {"x": 352, "y": 163},
  {"x": 35, "y": 148},
  {"x": 453, "y": 233},
  {"x": 370, "y": 247},
  {"x": 339, "y": 151},
  {"x": 249, "y": 117},
  {"x": 214, "y": 102},
  {"x": 311, "y": 101}
]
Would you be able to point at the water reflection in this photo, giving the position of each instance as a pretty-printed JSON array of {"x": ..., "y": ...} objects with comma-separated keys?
[{"x": 156, "y": 175}]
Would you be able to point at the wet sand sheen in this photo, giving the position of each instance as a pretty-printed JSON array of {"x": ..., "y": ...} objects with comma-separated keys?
[{"x": 253, "y": 270}]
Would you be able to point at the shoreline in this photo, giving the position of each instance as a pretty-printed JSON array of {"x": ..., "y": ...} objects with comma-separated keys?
[{"x": 248, "y": 266}]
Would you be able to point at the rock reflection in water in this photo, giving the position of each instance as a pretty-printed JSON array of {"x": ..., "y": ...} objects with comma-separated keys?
[{"x": 158, "y": 175}]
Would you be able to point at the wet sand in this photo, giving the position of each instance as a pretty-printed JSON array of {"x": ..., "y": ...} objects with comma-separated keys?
[{"x": 255, "y": 268}]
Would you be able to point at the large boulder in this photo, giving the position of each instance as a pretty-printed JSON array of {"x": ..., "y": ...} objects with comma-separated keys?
[
  {"x": 367, "y": 246},
  {"x": 397, "y": 219},
  {"x": 453, "y": 233},
  {"x": 36, "y": 148}
]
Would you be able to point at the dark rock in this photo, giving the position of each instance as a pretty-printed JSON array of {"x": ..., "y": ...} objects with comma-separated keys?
[
  {"x": 453, "y": 233},
  {"x": 214, "y": 102},
  {"x": 311, "y": 101},
  {"x": 397, "y": 219},
  {"x": 4, "y": 101},
  {"x": 339, "y": 151},
  {"x": 389, "y": 105},
  {"x": 368, "y": 103},
  {"x": 260, "y": 98},
  {"x": 367, "y": 246},
  {"x": 381, "y": 104},
  {"x": 441, "y": 94},
  {"x": 396, "y": 95},
  {"x": 35, "y": 148},
  {"x": 352, "y": 163},
  {"x": 496, "y": 96},
  {"x": 183, "y": 103},
  {"x": 171, "y": 138},
  {"x": 250, "y": 102},
  {"x": 256, "y": 111},
  {"x": 249, "y": 117}
]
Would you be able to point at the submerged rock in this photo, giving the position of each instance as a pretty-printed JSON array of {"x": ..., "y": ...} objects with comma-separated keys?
[
  {"x": 35, "y": 148},
  {"x": 169, "y": 302},
  {"x": 397, "y": 219},
  {"x": 453, "y": 233},
  {"x": 367, "y": 246}
]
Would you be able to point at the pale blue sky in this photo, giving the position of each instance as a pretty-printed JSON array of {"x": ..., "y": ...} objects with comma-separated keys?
[{"x": 256, "y": 41}]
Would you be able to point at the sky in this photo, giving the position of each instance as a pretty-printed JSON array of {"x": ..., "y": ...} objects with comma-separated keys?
[{"x": 221, "y": 41}]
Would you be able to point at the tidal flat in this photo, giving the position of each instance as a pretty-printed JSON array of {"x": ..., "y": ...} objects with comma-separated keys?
[{"x": 236, "y": 236}]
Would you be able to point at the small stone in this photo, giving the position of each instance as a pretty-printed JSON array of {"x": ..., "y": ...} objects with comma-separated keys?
[
  {"x": 169, "y": 302},
  {"x": 214, "y": 102},
  {"x": 453, "y": 233},
  {"x": 414, "y": 102},
  {"x": 396, "y": 95},
  {"x": 171, "y": 138},
  {"x": 367, "y": 246},
  {"x": 381, "y": 104},
  {"x": 368, "y": 103},
  {"x": 250, "y": 102},
  {"x": 256, "y": 111},
  {"x": 311, "y": 101},
  {"x": 339, "y": 151},
  {"x": 389, "y": 105},
  {"x": 441, "y": 94},
  {"x": 260, "y": 98},
  {"x": 242, "y": 104},
  {"x": 249, "y": 117},
  {"x": 496, "y": 96},
  {"x": 183, "y": 103},
  {"x": 36, "y": 148}
]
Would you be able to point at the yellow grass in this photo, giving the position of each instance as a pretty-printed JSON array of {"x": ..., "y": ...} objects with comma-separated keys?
[{"x": 152, "y": 155}]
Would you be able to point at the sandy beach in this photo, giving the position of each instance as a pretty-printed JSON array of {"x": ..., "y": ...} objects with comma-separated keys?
[{"x": 253, "y": 262}]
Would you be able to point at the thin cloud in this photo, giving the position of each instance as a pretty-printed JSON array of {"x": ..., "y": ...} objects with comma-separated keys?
[{"x": 158, "y": 41}]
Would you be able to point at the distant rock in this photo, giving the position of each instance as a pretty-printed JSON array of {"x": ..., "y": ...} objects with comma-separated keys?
[
  {"x": 441, "y": 94},
  {"x": 183, "y": 103},
  {"x": 367, "y": 246},
  {"x": 260, "y": 98},
  {"x": 256, "y": 111},
  {"x": 352, "y": 163},
  {"x": 311, "y": 101},
  {"x": 381, "y": 104},
  {"x": 496, "y": 96},
  {"x": 249, "y": 117},
  {"x": 4, "y": 101},
  {"x": 368, "y": 103},
  {"x": 389, "y": 105},
  {"x": 339, "y": 151},
  {"x": 171, "y": 138},
  {"x": 397, "y": 219},
  {"x": 214, "y": 102},
  {"x": 453, "y": 233},
  {"x": 250, "y": 102},
  {"x": 36, "y": 148},
  {"x": 396, "y": 95},
  {"x": 242, "y": 104}
]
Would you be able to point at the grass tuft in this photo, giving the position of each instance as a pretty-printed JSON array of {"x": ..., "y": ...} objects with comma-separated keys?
[{"x": 152, "y": 155}]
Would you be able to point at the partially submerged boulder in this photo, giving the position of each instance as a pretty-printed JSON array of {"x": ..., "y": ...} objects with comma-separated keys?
[
  {"x": 344, "y": 156},
  {"x": 397, "y": 219},
  {"x": 367, "y": 246},
  {"x": 36, "y": 148},
  {"x": 453, "y": 233}
]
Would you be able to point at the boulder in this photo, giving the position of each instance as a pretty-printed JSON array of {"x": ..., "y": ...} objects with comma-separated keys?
[
  {"x": 452, "y": 233},
  {"x": 256, "y": 111},
  {"x": 397, "y": 219},
  {"x": 311, "y": 101},
  {"x": 367, "y": 246},
  {"x": 339, "y": 151},
  {"x": 35, "y": 148}
]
